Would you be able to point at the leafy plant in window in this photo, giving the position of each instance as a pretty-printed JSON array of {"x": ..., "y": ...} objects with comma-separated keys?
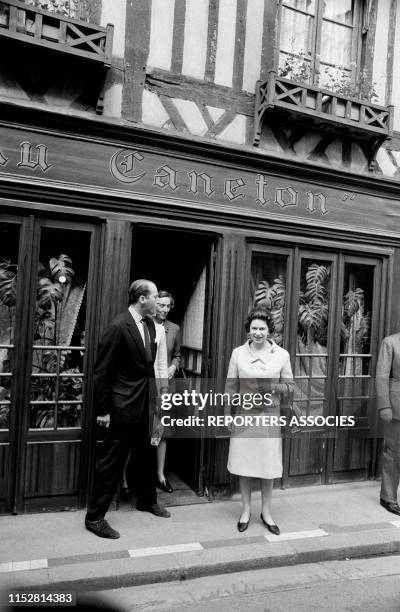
[
  {"x": 296, "y": 67},
  {"x": 314, "y": 306},
  {"x": 272, "y": 298},
  {"x": 339, "y": 80},
  {"x": 54, "y": 283},
  {"x": 76, "y": 9}
]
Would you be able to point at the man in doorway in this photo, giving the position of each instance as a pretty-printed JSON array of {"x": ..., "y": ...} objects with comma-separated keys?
[
  {"x": 124, "y": 391},
  {"x": 388, "y": 397}
]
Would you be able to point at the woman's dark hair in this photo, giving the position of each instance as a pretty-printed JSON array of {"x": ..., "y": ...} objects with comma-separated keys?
[
  {"x": 163, "y": 294},
  {"x": 259, "y": 313}
]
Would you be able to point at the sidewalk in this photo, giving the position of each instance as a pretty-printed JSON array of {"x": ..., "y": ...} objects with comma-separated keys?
[{"x": 54, "y": 550}]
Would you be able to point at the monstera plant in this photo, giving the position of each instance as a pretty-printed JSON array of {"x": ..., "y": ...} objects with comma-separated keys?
[
  {"x": 53, "y": 291},
  {"x": 272, "y": 298}
]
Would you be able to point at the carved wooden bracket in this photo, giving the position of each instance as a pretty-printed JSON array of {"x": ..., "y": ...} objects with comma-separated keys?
[
  {"x": 321, "y": 108},
  {"x": 53, "y": 31}
]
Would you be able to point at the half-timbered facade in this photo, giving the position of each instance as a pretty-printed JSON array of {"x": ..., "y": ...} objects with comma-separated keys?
[{"x": 235, "y": 152}]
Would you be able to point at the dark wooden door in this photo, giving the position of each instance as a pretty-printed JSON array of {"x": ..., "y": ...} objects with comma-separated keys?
[{"x": 53, "y": 408}]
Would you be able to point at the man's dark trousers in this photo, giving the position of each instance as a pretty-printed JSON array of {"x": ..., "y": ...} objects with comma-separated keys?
[{"x": 119, "y": 440}]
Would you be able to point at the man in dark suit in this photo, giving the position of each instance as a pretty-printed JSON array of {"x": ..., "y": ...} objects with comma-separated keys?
[
  {"x": 388, "y": 396},
  {"x": 124, "y": 395}
]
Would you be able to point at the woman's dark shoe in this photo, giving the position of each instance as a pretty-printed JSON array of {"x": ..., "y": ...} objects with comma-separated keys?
[
  {"x": 272, "y": 528},
  {"x": 243, "y": 526},
  {"x": 164, "y": 485},
  {"x": 125, "y": 494}
]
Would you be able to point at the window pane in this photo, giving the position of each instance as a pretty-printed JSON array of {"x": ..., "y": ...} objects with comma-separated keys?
[
  {"x": 313, "y": 318},
  {"x": 336, "y": 47},
  {"x": 268, "y": 289},
  {"x": 355, "y": 341},
  {"x": 59, "y": 336},
  {"x": 308, "y": 6},
  {"x": 339, "y": 10},
  {"x": 9, "y": 239},
  {"x": 296, "y": 33}
]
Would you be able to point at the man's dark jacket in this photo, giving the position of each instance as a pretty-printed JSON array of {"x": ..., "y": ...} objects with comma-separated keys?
[{"x": 123, "y": 376}]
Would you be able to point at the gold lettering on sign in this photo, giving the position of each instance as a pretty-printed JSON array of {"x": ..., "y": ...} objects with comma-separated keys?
[
  {"x": 316, "y": 201},
  {"x": 166, "y": 177},
  {"x": 261, "y": 183},
  {"x": 231, "y": 186},
  {"x": 122, "y": 165},
  {"x": 286, "y": 197},
  {"x": 27, "y": 158},
  {"x": 255, "y": 190},
  {"x": 194, "y": 183}
]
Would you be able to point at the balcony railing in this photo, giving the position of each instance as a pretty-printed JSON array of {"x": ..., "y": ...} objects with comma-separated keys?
[
  {"x": 323, "y": 108},
  {"x": 35, "y": 26}
]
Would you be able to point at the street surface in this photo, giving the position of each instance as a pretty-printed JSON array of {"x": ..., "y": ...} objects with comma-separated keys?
[{"x": 353, "y": 585}]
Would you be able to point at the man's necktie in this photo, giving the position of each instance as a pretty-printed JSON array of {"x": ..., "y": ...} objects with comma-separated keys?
[{"x": 146, "y": 340}]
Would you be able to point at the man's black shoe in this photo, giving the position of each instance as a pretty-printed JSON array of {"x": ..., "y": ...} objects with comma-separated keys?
[
  {"x": 102, "y": 529},
  {"x": 391, "y": 506},
  {"x": 155, "y": 509}
]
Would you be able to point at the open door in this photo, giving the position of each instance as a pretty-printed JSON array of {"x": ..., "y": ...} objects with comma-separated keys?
[{"x": 182, "y": 262}]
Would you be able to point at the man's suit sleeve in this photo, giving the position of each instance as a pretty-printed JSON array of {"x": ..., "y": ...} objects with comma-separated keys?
[
  {"x": 105, "y": 368},
  {"x": 383, "y": 369}
]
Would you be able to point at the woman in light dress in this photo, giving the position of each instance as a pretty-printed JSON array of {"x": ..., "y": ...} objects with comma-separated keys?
[{"x": 258, "y": 366}]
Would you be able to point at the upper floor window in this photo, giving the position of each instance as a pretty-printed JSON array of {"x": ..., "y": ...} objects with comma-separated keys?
[{"x": 320, "y": 40}]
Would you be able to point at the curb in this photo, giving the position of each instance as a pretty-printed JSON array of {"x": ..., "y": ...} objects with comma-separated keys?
[{"x": 138, "y": 578}]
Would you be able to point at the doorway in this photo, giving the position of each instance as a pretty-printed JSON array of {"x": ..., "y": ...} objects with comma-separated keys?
[{"x": 182, "y": 263}]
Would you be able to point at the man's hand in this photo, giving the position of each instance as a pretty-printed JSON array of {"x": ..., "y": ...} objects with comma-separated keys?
[
  {"x": 386, "y": 414},
  {"x": 104, "y": 420},
  {"x": 171, "y": 371}
]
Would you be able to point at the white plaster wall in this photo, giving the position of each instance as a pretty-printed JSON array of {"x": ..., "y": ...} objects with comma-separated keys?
[
  {"x": 253, "y": 44},
  {"x": 113, "y": 101},
  {"x": 114, "y": 11},
  {"x": 153, "y": 111},
  {"x": 225, "y": 42},
  {"x": 191, "y": 115},
  {"x": 396, "y": 72},
  {"x": 195, "y": 39},
  {"x": 235, "y": 132},
  {"x": 381, "y": 50},
  {"x": 162, "y": 24}
]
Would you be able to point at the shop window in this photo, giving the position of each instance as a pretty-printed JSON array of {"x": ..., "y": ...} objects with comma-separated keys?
[
  {"x": 311, "y": 362},
  {"x": 355, "y": 340},
  {"x": 319, "y": 40},
  {"x": 268, "y": 289},
  {"x": 57, "y": 379},
  {"x": 9, "y": 240}
]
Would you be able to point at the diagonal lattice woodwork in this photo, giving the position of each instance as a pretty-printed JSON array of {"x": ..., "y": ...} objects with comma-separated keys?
[
  {"x": 32, "y": 25},
  {"x": 324, "y": 109}
]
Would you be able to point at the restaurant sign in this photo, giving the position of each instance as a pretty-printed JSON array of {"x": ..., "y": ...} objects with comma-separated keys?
[{"x": 145, "y": 174}]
